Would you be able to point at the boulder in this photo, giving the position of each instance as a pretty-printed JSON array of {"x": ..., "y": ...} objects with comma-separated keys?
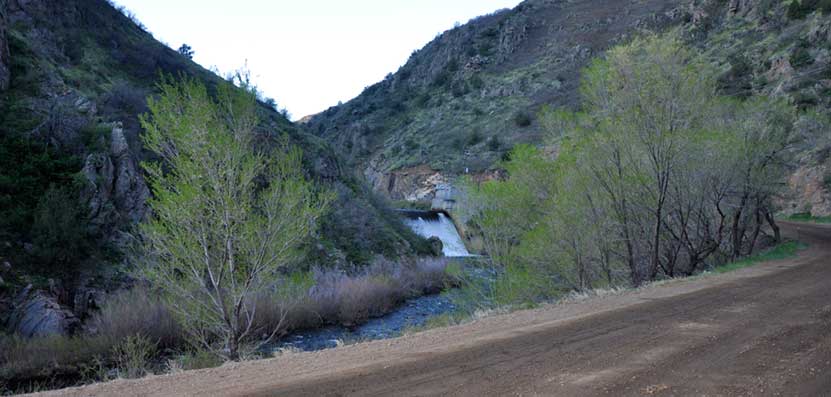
[
  {"x": 436, "y": 246},
  {"x": 36, "y": 314}
]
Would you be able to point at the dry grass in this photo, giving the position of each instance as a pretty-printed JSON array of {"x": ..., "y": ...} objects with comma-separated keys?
[
  {"x": 137, "y": 312},
  {"x": 134, "y": 323},
  {"x": 352, "y": 296}
]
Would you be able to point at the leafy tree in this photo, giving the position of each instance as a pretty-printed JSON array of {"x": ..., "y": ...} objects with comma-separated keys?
[
  {"x": 226, "y": 219},
  {"x": 187, "y": 51},
  {"x": 59, "y": 235},
  {"x": 658, "y": 175},
  {"x": 27, "y": 170}
]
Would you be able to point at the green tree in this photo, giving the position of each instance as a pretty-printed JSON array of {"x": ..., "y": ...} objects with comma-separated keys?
[
  {"x": 652, "y": 178},
  {"x": 225, "y": 218},
  {"x": 59, "y": 235}
]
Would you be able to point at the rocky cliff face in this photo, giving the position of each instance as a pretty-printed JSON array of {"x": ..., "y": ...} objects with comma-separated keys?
[
  {"x": 469, "y": 95},
  {"x": 464, "y": 99},
  {"x": 74, "y": 76},
  {"x": 116, "y": 192},
  {"x": 5, "y": 72}
]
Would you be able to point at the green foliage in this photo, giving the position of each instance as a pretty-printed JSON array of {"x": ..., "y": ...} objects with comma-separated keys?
[
  {"x": 27, "y": 170},
  {"x": 801, "y": 57},
  {"x": 27, "y": 361},
  {"x": 651, "y": 180},
  {"x": 799, "y": 9},
  {"x": 522, "y": 119},
  {"x": 59, "y": 233},
  {"x": 522, "y": 285},
  {"x": 474, "y": 138},
  {"x": 807, "y": 217},
  {"x": 494, "y": 144},
  {"x": 221, "y": 210},
  {"x": 784, "y": 250},
  {"x": 96, "y": 137},
  {"x": 199, "y": 359},
  {"x": 133, "y": 356}
]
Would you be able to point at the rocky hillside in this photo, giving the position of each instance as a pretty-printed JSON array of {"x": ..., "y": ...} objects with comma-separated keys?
[
  {"x": 460, "y": 103},
  {"x": 74, "y": 76}
]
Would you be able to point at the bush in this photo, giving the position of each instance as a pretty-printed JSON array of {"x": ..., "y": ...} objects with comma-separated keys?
[
  {"x": 27, "y": 361},
  {"x": 801, "y": 57},
  {"x": 522, "y": 119},
  {"x": 133, "y": 356},
  {"x": 27, "y": 170},
  {"x": 352, "y": 296},
  {"x": 799, "y": 9},
  {"x": 474, "y": 138},
  {"x": 199, "y": 359},
  {"x": 494, "y": 144},
  {"x": 60, "y": 238},
  {"x": 138, "y": 312}
]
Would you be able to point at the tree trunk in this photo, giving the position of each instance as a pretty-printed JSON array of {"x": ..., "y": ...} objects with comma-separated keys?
[
  {"x": 735, "y": 235},
  {"x": 777, "y": 234},
  {"x": 656, "y": 241},
  {"x": 233, "y": 348},
  {"x": 756, "y": 230}
]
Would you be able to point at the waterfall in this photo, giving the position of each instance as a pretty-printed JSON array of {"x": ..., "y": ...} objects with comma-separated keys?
[{"x": 429, "y": 225}]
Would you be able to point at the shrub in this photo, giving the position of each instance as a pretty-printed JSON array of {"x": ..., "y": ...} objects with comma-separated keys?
[
  {"x": 522, "y": 119},
  {"x": 352, "y": 296},
  {"x": 476, "y": 82},
  {"x": 799, "y": 9},
  {"x": 494, "y": 144},
  {"x": 199, "y": 359},
  {"x": 801, "y": 57},
  {"x": 442, "y": 79},
  {"x": 133, "y": 356},
  {"x": 474, "y": 138},
  {"x": 60, "y": 238},
  {"x": 138, "y": 312},
  {"x": 23, "y": 361},
  {"x": 27, "y": 170}
]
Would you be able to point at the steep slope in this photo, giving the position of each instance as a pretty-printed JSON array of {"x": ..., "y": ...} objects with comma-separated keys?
[
  {"x": 462, "y": 101},
  {"x": 74, "y": 76}
]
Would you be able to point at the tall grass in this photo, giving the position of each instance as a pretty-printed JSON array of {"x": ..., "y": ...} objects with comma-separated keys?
[
  {"x": 352, "y": 296},
  {"x": 807, "y": 217},
  {"x": 135, "y": 333},
  {"x": 784, "y": 250},
  {"x": 137, "y": 312}
]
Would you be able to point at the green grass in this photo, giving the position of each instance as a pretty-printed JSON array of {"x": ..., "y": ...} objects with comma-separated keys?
[
  {"x": 785, "y": 250},
  {"x": 807, "y": 217}
]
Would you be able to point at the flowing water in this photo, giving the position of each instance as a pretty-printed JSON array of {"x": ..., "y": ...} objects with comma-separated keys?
[
  {"x": 439, "y": 225},
  {"x": 413, "y": 313}
]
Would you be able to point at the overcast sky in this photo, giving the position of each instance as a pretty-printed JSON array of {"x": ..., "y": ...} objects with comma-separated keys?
[{"x": 307, "y": 54}]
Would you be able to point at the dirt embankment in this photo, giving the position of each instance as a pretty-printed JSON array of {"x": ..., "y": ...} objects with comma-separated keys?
[{"x": 764, "y": 330}]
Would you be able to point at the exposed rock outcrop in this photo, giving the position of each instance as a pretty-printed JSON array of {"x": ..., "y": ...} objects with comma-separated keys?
[
  {"x": 810, "y": 187},
  {"x": 116, "y": 191},
  {"x": 411, "y": 184},
  {"x": 36, "y": 314},
  {"x": 436, "y": 246}
]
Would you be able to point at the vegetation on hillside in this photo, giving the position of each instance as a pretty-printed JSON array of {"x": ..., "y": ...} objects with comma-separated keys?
[
  {"x": 225, "y": 219},
  {"x": 658, "y": 176}
]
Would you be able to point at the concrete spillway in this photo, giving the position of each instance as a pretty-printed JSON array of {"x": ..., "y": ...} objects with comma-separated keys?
[{"x": 437, "y": 224}]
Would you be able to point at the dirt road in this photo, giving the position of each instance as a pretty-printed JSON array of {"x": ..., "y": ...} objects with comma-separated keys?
[{"x": 764, "y": 330}]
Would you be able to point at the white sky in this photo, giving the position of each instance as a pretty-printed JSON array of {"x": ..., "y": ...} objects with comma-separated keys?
[{"x": 306, "y": 54}]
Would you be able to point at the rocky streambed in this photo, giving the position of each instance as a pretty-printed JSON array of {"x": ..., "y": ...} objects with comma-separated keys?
[{"x": 413, "y": 313}]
